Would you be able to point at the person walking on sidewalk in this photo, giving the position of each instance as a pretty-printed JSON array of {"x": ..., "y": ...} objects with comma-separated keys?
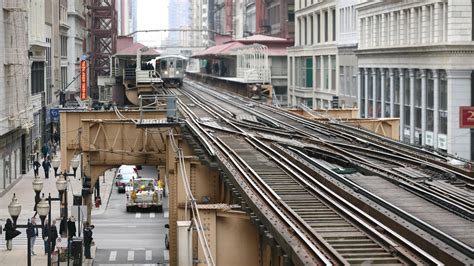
[
  {"x": 45, "y": 236},
  {"x": 71, "y": 227},
  {"x": 10, "y": 233},
  {"x": 36, "y": 165},
  {"x": 88, "y": 240},
  {"x": 46, "y": 167},
  {"x": 53, "y": 234},
  {"x": 45, "y": 150},
  {"x": 32, "y": 233}
]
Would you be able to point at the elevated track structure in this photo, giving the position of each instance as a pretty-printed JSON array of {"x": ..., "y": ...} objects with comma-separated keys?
[{"x": 253, "y": 179}]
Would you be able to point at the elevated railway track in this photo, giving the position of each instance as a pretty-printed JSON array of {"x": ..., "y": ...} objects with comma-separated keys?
[{"x": 298, "y": 181}]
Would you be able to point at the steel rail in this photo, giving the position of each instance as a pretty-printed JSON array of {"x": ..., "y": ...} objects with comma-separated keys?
[
  {"x": 455, "y": 243},
  {"x": 342, "y": 204},
  {"x": 373, "y": 230}
]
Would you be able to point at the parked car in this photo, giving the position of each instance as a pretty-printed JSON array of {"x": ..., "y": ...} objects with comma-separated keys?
[
  {"x": 143, "y": 193},
  {"x": 124, "y": 175}
]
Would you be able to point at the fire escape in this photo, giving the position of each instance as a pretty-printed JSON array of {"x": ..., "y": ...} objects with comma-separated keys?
[{"x": 102, "y": 28}]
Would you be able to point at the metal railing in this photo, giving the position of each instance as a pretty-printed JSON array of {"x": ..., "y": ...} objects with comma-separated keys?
[{"x": 147, "y": 76}]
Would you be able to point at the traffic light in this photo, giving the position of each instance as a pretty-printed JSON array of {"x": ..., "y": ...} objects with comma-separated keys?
[{"x": 86, "y": 185}]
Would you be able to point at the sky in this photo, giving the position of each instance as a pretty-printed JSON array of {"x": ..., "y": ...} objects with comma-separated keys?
[{"x": 152, "y": 14}]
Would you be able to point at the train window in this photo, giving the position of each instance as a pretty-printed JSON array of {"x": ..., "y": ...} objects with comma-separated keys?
[
  {"x": 163, "y": 64},
  {"x": 179, "y": 64}
]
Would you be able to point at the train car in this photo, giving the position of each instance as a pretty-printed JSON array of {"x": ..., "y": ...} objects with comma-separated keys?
[{"x": 171, "y": 69}]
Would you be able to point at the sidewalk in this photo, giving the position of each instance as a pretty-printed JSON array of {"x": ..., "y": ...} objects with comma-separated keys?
[{"x": 25, "y": 195}]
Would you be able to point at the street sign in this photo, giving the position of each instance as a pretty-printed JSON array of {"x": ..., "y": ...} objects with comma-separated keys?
[
  {"x": 466, "y": 117},
  {"x": 83, "y": 79},
  {"x": 54, "y": 114}
]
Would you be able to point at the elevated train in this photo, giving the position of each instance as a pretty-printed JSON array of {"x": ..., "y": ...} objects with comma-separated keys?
[{"x": 171, "y": 69}]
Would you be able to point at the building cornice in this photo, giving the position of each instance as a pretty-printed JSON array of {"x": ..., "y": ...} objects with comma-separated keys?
[{"x": 422, "y": 49}]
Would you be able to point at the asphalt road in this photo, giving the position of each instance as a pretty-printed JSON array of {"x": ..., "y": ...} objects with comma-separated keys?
[{"x": 130, "y": 238}]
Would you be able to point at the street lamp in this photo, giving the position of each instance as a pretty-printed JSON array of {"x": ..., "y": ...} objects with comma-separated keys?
[
  {"x": 37, "y": 187},
  {"x": 61, "y": 183},
  {"x": 43, "y": 209},
  {"x": 14, "y": 209}
]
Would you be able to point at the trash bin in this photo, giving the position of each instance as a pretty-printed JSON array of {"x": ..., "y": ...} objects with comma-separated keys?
[{"x": 76, "y": 250}]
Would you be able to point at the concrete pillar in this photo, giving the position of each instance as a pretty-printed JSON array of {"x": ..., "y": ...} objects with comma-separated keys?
[
  {"x": 315, "y": 28},
  {"x": 366, "y": 91},
  {"x": 289, "y": 78},
  {"x": 314, "y": 81},
  {"x": 297, "y": 32},
  {"x": 368, "y": 41},
  {"x": 401, "y": 27},
  {"x": 392, "y": 92},
  {"x": 383, "y": 35},
  {"x": 423, "y": 106},
  {"x": 391, "y": 29},
  {"x": 402, "y": 104},
  {"x": 374, "y": 31},
  {"x": 459, "y": 94},
  {"x": 329, "y": 73},
  {"x": 359, "y": 91},
  {"x": 435, "y": 107},
  {"x": 424, "y": 25},
  {"x": 412, "y": 26},
  {"x": 321, "y": 28},
  {"x": 374, "y": 92},
  {"x": 382, "y": 93},
  {"x": 411, "y": 72},
  {"x": 293, "y": 69},
  {"x": 437, "y": 23},
  {"x": 185, "y": 243},
  {"x": 322, "y": 72}
]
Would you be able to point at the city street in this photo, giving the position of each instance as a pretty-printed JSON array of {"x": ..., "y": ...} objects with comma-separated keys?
[{"x": 130, "y": 238}]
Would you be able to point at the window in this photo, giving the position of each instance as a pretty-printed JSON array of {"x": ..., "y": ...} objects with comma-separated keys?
[
  {"x": 291, "y": 12},
  {"x": 326, "y": 26},
  {"x": 63, "y": 77},
  {"x": 37, "y": 77},
  {"x": 325, "y": 61},
  {"x": 318, "y": 30},
  {"x": 342, "y": 87},
  {"x": 333, "y": 72},
  {"x": 318, "y": 72},
  {"x": 333, "y": 24},
  {"x": 63, "y": 46}
]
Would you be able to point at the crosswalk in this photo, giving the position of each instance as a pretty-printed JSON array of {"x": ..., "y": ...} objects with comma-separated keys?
[
  {"x": 151, "y": 215},
  {"x": 134, "y": 256}
]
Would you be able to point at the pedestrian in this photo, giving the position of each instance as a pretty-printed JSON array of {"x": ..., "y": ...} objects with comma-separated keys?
[
  {"x": 63, "y": 227},
  {"x": 88, "y": 240},
  {"x": 10, "y": 233},
  {"x": 32, "y": 233},
  {"x": 56, "y": 137},
  {"x": 45, "y": 235},
  {"x": 53, "y": 235},
  {"x": 46, "y": 167},
  {"x": 36, "y": 166},
  {"x": 71, "y": 227},
  {"x": 45, "y": 150}
]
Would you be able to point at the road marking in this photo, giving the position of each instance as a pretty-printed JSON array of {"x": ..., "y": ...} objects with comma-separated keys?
[
  {"x": 148, "y": 255},
  {"x": 166, "y": 255},
  {"x": 166, "y": 214},
  {"x": 131, "y": 255},
  {"x": 152, "y": 215},
  {"x": 113, "y": 255},
  {"x": 138, "y": 215}
]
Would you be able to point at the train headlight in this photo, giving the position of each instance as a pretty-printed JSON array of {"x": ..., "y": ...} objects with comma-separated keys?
[
  {"x": 166, "y": 72},
  {"x": 177, "y": 72}
]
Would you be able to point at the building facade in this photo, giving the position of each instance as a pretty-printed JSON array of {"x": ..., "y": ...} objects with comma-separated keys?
[
  {"x": 416, "y": 62},
  {"x": 20, "y": 49},
  {"x": 74, "y": 48},
  {"x": 312, "y": 62}
]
